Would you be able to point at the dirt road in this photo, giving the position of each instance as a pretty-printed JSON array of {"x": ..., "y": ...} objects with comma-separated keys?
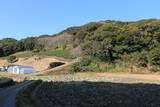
[
  {"x": 128, "y": 75},
  {"x": 7, "y": 95}
]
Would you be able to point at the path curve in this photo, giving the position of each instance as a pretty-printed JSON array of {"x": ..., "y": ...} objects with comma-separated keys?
[
  {"x": 7, "y": 95},
  {"x": 59, "y": 67}
]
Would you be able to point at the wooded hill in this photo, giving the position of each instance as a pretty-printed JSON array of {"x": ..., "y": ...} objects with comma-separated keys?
[{"x": 106, "y": 41}]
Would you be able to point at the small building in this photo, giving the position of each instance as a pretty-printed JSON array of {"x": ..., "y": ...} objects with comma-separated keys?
[{"x": 19, "y": 69}]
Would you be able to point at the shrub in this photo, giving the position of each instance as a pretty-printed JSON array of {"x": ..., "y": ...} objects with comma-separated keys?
[
  {"x": 75, "y": 45},
  {"x": 76, "y": 67},
  {"x": 86, "y": 61},
  {"x": 64, "y": 46},
  {"x": 143, "y": 60},
  {"x": 86, "y": 64},
  {"x": 79, "y": 67},
  {"x": 12, "y": 59},
  {"x": 155, "y": 57},
  {"x": 56, "y": 47},
  {"x": 154, "y": 69},
  {"x": 55, "y": 64}
]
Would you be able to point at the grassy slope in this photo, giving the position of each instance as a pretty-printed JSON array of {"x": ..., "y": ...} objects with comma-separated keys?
[
  {"x": 20, "y": 55},
  {"x": 58, "y": 53}
]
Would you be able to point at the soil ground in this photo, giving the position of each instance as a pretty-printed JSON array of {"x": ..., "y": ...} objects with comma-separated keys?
[
  {"x": 109, "y": 77},
  {"x": 126, "y": 75},
  {"x": 39, "y": 63}
]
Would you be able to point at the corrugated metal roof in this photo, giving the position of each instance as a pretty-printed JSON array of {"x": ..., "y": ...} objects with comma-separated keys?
[
  {"x": 21, "y": 66},
  {"x": 25, "y": 66}
]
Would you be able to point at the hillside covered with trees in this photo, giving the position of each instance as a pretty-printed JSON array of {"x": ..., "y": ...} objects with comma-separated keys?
[{"x": 111, "y": 42}]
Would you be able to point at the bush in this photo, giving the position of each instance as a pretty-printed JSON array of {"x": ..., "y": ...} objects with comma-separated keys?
[
  {"x": 75, "y": 45},
  {"x": 55, "y": 64},
  {"x": 154, "y": 69},
  {"x": 155, "y": 56},
  {"x": 86, "y": 64},
  {"x": 86, "y": 61},
  {"x": 79, "y": 67},
  {"x": 12, "y": 59},
  {"x": 143, "y": 60},
  {"x": 76, "y": 67}
]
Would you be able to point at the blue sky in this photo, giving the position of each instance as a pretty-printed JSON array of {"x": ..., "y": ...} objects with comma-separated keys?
[{"x": 25, "y": 18}]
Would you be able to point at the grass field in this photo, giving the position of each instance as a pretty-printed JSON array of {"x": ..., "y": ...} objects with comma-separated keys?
[{"x": 58, "y": 53}]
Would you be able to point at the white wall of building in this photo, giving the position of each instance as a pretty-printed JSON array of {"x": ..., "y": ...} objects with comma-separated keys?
[{"x": 21, "y": 69}]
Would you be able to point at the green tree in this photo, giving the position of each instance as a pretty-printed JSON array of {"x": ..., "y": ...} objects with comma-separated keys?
[{"x": 29, "y": 43}]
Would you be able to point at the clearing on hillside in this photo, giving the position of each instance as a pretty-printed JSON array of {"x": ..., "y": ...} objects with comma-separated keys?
[{"x": 39, "y": 63}]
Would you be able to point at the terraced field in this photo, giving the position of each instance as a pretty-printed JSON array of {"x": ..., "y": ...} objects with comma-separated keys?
[
  {"x": 97, "y": 94},
  {"x": 86, "y": 90}
]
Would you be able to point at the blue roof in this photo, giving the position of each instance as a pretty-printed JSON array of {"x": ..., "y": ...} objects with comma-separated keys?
[
  {"x": 21, "y": 66},
  {"x": 24, "y": 66}
]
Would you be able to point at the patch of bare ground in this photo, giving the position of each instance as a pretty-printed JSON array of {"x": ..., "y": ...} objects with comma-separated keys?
[
  {"x": 3, "y": 62},
  {"x": 125, "y": 75},
  {"x": 38, "y": 62}
]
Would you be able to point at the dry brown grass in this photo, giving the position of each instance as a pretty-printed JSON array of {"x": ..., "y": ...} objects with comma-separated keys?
[
  {"x": 122, "y": 75},
  {"x": 22, "y": 53},
  {"x": 38, "y": 62}
]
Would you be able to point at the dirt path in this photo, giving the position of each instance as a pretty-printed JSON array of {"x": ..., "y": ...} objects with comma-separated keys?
[
  {"x": 7, "y": 95},
  {"x": 100, "y": 77},
  {"x": 136, "y": 76},
  {"x": 59, "y": 67},
  {"x": 151, "y": 77}
]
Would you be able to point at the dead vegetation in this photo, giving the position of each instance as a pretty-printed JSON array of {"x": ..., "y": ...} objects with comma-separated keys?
[{"x": 55, "y": 41}]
